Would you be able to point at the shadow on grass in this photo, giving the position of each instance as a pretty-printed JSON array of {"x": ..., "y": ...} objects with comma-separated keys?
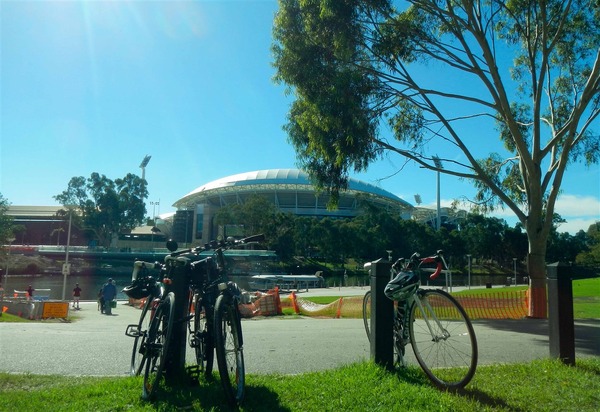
[
  {"x": 485, "y": 399},
  {"x": 208, "y": 394},
  {"x": 588, "y": 368},
  {"x": 415, "y": 376}
]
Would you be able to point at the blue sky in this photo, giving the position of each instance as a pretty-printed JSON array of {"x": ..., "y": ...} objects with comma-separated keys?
[{"x": 95, "y": 86}]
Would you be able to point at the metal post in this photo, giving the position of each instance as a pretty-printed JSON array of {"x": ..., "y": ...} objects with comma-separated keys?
[
  {"x": 515, "y": 269},
  {"x": 561, "y": 324},
  {"x": 469, "y": 269},
  {"x": 382, "y": 310},
  {"x": 5, "y": 281},
  {"x": 66, "y": 269},
  {"x": 175, "y": 358},
  {"x": 10, "y": 240}
]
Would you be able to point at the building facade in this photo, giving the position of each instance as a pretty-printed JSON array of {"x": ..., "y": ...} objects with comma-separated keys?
[{"x": 288, "y": 189}]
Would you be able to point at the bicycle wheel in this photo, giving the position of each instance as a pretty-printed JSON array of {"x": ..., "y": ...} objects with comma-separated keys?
[
  {"x": 137, "y": 354},
  {"x": 228, "y": 344},
  {"x": 443, "y": 339},
  {"x": 202, "y": 337},
  {"x": 157, "y": 345},
  {"x": 366, "y": 313}
]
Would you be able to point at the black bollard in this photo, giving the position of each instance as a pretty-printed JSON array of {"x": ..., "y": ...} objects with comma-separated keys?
[
  {"x": 175, "y": 357},
  {"x": 382, "y": 315},
  {"x": 561, "y": 324}
]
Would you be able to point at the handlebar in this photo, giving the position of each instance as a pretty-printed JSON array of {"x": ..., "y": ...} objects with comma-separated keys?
[
  {"x": 416, "y": 261},
  {"x": 217, "y": 246},
  {"x": 141, "y": 265},
  {"x": 214, "y": 245},
  {"x": 229, "y": 243}
]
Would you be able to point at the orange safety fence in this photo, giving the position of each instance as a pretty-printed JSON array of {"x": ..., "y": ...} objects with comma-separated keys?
[
  {"x": 498, "y": 305},
  {"x": 262, "y": 304},
  {"x": 344, "y": 307},
  {"x": 259, "y": 304}
]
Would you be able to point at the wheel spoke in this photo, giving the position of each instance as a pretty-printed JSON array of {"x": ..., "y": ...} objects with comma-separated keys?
[{"x": 443, "y": 339}]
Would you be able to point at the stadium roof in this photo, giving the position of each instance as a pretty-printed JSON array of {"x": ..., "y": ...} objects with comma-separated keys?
[{"x": 278, "y": 180}]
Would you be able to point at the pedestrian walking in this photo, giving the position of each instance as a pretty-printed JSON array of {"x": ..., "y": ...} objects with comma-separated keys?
[
  {"x": 76, "y": 296},
  {"x": 30, "y": 292},
  {"x": 100, "y": 301},
  {"x": 109, "y": 293}
]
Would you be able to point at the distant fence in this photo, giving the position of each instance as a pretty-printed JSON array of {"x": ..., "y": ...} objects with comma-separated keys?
[{"x": 496, "y": 305}]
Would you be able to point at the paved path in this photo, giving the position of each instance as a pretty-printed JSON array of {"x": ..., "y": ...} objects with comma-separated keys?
[{"x": 96, "y": 344}]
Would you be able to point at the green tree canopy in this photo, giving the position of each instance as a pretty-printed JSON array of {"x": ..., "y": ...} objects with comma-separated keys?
[
  {"x": 105, "y": 206},
  {"x": 528, "y": 69}
]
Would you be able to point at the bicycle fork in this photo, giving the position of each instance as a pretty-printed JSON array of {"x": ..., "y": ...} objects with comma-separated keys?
[
  {"x": 435, "y": 337},
  {"x": 230, "y": 293}
]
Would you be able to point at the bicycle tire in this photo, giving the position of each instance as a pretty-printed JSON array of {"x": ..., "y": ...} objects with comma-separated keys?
[
  {"x": 137, "y": 354},
  {"x": 203, "y": 331},
  {"x": 157, "y": 345},
  {"x": 366, "y": 313},
  {"x": 228, "y": 345},
  {"x": 450, "y": 358}
]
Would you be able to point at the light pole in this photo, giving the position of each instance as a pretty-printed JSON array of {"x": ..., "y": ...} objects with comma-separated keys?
[
  {"x": 469, "y": 269},
  {"x": 143, "y": 167},
  {"x": 10, "y": 240},
  {"x": 515, "y": 269},
  {"x": 144, "y": 164},
  {"x": 67, "y": 267},
  {"x": 438, "y": 165},
  {"x": 153, "y": 204}
]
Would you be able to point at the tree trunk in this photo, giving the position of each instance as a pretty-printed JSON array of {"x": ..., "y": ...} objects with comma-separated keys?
[{"x": 536, "y": 266}]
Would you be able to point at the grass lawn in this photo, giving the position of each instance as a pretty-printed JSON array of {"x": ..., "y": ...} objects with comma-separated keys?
[{"x": 546, "y": 385}]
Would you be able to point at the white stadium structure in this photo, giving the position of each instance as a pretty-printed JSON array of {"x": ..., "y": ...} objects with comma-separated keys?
[{"x": 289, "y": 189}]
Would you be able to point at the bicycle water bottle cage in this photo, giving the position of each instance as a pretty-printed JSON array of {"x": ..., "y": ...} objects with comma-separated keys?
[{"x": 404, "y": 285}]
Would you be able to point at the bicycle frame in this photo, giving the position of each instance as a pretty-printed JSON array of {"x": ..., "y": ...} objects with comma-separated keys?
[{"x": 413, "y": 265}]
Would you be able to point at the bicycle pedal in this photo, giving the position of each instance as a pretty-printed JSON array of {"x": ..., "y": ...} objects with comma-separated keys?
[
  {"x": 133, "y": 331},
  {"x": 193, "y": 372},
  {"x": 194, "y": 342}
]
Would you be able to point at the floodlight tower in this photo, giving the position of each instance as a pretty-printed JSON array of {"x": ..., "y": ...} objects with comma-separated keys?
[
  {"x": 143, "y": 167},
  {"x": 439, "y": 166}
]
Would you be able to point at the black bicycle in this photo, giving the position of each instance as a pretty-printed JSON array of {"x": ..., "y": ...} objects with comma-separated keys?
[
  {"x": 215, "y": 324},
  {"x": 437, "y": 327},
  {"x": 153, "y": 331},
  {"x": 213, "y": 317}
]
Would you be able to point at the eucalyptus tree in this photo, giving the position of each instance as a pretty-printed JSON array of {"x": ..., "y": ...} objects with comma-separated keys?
[
  {"x": 6, "y": 222},
  {"x": 104, "y": 206},
  {"x": 507, "y": 91}
]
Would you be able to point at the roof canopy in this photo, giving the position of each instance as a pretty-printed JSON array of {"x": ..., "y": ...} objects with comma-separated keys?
[{"x": 278, "y": 180}]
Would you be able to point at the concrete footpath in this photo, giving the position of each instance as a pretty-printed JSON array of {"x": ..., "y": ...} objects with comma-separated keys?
[{"x": 95, "y": 344}]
